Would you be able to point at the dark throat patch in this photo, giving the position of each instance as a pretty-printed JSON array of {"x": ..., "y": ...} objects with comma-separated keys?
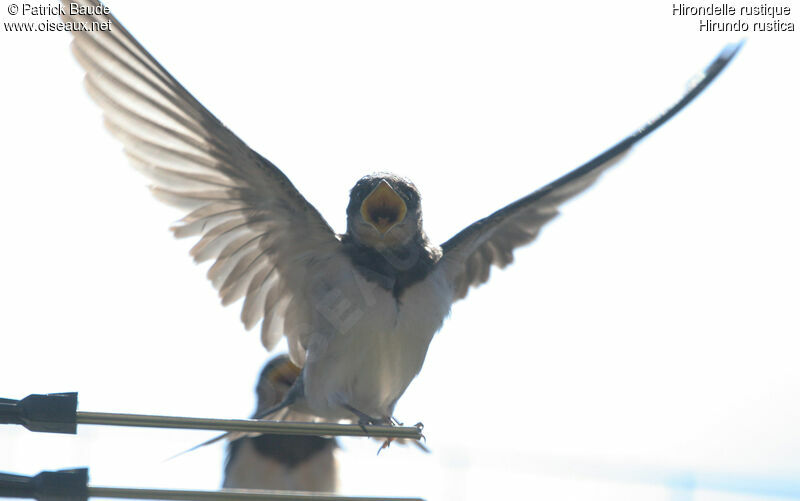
[{"x": 392, "y": 269}]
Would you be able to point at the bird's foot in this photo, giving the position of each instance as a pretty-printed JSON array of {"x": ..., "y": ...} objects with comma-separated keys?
[
  {"x": 385, "y": 445},
  {"x": 364, "y": 419},
  {"x": 419, "y": 443}
]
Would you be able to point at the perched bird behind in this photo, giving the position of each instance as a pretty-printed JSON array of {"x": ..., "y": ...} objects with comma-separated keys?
[
  {"x": 283, "y": 462},
  {"x": 358, "y": 309}
]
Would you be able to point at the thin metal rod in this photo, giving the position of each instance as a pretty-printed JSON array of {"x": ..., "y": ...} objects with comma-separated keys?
[
  {"x": 250, "y": 425},
  {"x": 226, "y": 495}
]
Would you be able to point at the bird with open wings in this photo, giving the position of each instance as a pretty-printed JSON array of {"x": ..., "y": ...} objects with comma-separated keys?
[{"x": 357, "y": 309}]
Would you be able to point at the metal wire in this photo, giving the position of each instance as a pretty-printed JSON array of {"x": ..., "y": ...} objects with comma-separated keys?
[
  {"x": 250, "y": 425},
  {"x": 226, "y": 495}
]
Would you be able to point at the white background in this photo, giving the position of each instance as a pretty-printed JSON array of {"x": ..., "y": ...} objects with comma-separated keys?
[{"x": 647, "y": 340}]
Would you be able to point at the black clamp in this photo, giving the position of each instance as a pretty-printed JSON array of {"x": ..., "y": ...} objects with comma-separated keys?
[
  {"x": 53, "y": 413},
  {"x": 63, "y": 485}
]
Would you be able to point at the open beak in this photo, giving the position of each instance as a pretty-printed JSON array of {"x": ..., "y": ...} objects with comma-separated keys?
[
  {"x": 285, "y": 373},
  {"x": 383, "y": 208}
]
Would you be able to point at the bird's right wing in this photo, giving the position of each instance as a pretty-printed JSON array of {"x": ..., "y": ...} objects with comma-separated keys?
[
  {"x": 469, "y": 255},
  {"x": 250, "y": 220}
]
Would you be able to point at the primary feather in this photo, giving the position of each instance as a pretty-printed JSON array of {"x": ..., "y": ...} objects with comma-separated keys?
[
  {"x": 470, "y": 254},
  {"x": 248, "y": 217}
]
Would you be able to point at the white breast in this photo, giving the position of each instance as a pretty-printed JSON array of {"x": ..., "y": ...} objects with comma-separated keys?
[{"x": 370, "y": 345}]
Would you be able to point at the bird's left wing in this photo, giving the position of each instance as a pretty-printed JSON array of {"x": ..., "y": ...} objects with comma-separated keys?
[
  {"x": 249, "y": 218},
  {"x": 469, "y": 255}
]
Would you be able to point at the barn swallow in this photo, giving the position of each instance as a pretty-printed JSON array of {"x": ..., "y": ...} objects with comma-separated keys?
[
  {"x": 282, "y": 462},
  {"x": 359, "y": 309}
]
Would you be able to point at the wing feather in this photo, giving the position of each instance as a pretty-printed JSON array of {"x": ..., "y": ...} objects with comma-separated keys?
[
  {"x": 469, "y": 255},
  {"x": 249, "y": 219}
]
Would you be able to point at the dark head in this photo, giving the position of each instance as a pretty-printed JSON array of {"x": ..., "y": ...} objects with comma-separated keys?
[
  {"x": 275, "y": 380},
  {"x": 384, "y": 211}
]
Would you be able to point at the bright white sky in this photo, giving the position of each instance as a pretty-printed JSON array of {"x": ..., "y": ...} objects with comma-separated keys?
[{"x": 650, "y": 334}]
